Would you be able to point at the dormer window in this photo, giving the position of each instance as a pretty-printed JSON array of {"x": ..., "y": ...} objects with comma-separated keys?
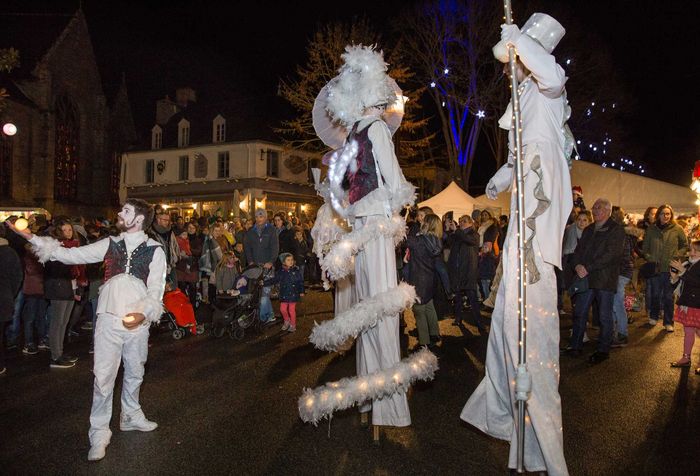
[
  {"x": 219, "y": 129},
  {"x": 183, "y": 133},
  {"x": 156, "y": 137}
]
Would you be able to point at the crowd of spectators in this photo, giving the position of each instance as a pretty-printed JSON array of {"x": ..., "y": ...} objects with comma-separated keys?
[{"x": 44, "y": 307}]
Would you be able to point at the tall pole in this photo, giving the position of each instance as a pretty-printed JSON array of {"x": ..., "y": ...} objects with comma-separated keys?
[{"x": 522, "y": 381}]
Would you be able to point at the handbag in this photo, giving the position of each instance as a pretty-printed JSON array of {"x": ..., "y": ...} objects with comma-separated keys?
[
  {"x": 649, "y": 269},
  {"x": 580, "y": 285},
  {"x": 205, "y": 259}
]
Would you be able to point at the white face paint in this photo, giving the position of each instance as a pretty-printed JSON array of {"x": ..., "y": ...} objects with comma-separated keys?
[{"x": 128, "y": 220}]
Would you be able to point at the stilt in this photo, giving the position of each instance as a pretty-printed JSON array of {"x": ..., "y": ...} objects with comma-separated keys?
[
  {"x": 364, "y": 419},
  {"x": 375, "y": 434}
]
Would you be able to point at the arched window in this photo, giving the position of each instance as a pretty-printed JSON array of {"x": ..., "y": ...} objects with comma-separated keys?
[
  {"x": 156, "y": 137},
  {"x": 65, "y": 183},
  {"x": 219, "y": 129},
  {"x": 183, "y": 133}
]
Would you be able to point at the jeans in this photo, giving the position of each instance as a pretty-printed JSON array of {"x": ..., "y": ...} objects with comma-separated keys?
[
  {"x": 583, "y": 304},
  {"x": 485, "y": 288},
  {"x": 34, "y": 316},
  {"x": 619, "y": 311},
  {"x": 266, "y": 312},
  {"x": 426, "y": 322},
  {"x": 12, "y": 331},
  {"x": 661, "y": 297},
  {"x": 60, "y": 315}
]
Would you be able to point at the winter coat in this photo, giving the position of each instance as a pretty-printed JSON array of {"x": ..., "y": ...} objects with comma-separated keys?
[
  {"x": 600, "y": 252},
  {"x": 300, "y": 250},
  {"x": 291, "y": 283},
  {"x": 663, "y": 245},
  {"x": 188, "y": 266},
  {"x": 627, "y": 261},
  {"x": 226, "y": 278},
  {"x": 421, "y": 271},
  {"x": 463, "y": 263},
  {"x": 10, "y": 280},
  {"x": 286, "y": 240},
  {"x": 58, "y": 277},
  {"x": 33, "y": 276},
  {"x": 261, "y": 245},
  {"x": 690, "y": 292}
]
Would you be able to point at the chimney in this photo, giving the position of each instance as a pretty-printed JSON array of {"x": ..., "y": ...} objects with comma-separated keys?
[
  {"x": 165, "y": 109},
  {"x": 183, "y": 96}
]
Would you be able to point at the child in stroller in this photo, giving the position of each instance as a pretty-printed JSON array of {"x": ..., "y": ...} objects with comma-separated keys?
[
  {"x": 179, "y": 314},
  {"x": 236, "y": 309}
]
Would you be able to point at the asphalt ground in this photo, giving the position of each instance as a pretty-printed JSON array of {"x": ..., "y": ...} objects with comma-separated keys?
[{"x": 229, "y": 407}]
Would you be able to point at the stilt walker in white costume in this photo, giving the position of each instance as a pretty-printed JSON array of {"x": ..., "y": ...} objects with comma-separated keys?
[
  {"x": 546, "y": 146},
  {"x": 367, "y": 188},
  {"x": 129, "y": 301}
]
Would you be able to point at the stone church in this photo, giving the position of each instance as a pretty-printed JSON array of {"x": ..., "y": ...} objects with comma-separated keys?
[{"x": 70, "y": 134}]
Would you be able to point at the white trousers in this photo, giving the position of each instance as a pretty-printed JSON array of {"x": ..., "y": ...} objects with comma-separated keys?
[
  {"x": 378, "y": 347},
  {"x": 114, "y": 343}
]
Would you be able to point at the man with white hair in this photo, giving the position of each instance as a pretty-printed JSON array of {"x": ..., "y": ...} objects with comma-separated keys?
[
  {"x": 261, "y": 247},
  {"x": 597, "y": 262}
]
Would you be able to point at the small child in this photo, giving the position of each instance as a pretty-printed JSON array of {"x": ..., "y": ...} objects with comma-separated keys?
[
  {"x": 688, "y": 304},
  {"x": 226, "y": 273},
  {"x": 291, "y": 284},
  {"x": 185, "y": 251}
]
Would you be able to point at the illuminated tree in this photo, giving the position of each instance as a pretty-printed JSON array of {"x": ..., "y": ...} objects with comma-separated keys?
[{"x": 322, "y": 64}]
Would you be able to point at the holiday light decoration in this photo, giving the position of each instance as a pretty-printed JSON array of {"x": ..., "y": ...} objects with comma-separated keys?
[
  {"x": 321, "y": 402},
  {"x": 21, "y": 224},
  {"x": 340, "y": 161},
  {"x": 330, "y": 335}
]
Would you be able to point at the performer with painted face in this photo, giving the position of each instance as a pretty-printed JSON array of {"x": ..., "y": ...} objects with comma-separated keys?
[
  {"x": 547, "y": 145},
  {"x": 129, "y": 301}
]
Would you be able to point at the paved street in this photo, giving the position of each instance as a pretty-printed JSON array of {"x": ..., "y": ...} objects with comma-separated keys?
[{"x": 227, "y": 407}]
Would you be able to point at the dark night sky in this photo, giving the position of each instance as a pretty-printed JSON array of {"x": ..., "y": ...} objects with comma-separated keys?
[{"x": 243, "y": 48}]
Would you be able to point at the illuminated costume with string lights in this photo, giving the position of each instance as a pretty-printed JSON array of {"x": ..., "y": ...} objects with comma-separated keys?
[
  {"x": 130, "y": 301},
  {"x": 547, "y": 191}
]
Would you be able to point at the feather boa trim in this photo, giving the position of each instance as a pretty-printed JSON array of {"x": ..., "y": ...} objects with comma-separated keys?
[
  {"x": 339, "y": 263},
  {"x": 404, "y": 196},
  {"x": 331, "y": 334},
  {"x": 44, "y": 246},
  {"x": 148, "y": 306},
  {"x": 321, "y": 402}
]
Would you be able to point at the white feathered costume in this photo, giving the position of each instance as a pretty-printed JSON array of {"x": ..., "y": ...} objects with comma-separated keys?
[{"x": 492, "y": 407}]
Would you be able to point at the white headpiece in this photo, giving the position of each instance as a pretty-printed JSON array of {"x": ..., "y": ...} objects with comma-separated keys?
[
  {"x": 362, "y": 83},
  {"x": 542, "y": 28}
]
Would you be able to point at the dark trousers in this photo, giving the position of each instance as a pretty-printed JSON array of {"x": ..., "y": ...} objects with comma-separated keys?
[
  {"x": 34, "y": 316},
  {"x": 470, "y": 296},
  {"x": 659, "y": 287},
  {"x": 581, "y": 307}
]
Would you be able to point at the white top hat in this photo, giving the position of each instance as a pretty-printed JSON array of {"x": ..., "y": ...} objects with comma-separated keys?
[{"x": 542, "y": 28}]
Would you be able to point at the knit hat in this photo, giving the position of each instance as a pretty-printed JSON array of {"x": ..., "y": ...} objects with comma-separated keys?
[
  {"x": 577, "y": 189},
  {"x": 284, "y": 256}
]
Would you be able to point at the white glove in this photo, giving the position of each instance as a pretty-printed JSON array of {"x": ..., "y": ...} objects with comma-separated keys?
[
  {"x": 491, "y": 191},
  {"x": 509, "y": 34}
]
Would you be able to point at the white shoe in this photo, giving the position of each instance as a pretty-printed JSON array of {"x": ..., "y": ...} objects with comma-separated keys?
[
  {"x": 669, "y": 327},
  {"x": 97, "y": 452},
  {"x": 652, "y": 322},
  {"x": 586, "y": 338},
  {"x": 127, "y": 424},
  {"x": 292, "y": 328},
  {"x": 285, "y": 326}
]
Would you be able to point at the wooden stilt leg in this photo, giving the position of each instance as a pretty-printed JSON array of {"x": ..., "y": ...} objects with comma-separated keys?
[{"x": 375, "y": 434}]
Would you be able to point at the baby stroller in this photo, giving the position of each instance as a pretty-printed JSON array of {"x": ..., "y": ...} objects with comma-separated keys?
[
  {"x": 239, "y": 312},
  {"x": 179, "y": 315}
]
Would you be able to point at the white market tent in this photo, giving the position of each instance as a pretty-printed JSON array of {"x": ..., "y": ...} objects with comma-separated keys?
[
  {"x": 634, "y": 193},
  {"x": 453, "y": 199}
]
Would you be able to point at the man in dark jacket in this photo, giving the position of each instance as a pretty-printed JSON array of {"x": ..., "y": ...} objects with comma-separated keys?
[
  {"x": 262, "y": 248},
  {"x": 597, "y": 260},
  {"x": 462, "y": 267},
  {"x": 10, "y": 284}
]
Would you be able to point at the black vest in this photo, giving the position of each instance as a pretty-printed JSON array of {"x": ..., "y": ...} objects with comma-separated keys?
[{"x": 116, "y": 259}]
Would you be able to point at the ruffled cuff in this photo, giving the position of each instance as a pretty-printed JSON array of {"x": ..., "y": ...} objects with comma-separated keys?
[
  {"x": 149, "y": 307},
  {"x": 44, "y": 247},
  {"x": 405, "y": 195}
]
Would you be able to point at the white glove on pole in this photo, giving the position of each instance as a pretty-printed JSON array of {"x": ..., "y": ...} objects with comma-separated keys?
[{"x": 510, "y": 34}]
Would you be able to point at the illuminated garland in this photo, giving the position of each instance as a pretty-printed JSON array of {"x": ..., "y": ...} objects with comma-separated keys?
[
  {"x": 338, "y": 262},
  {"x": 339, "y": 163},
  {"x": 321, "y": 402},
  {"x": 331, "y": 334}
]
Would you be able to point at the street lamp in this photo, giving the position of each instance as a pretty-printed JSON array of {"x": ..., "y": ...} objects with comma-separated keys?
[{"x": 9, "y": 129}]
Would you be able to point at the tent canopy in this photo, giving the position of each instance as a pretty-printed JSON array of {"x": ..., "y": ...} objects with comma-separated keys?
[
  {"x": 453, "y": 199},
  {"x": 633, "y": 193}
]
